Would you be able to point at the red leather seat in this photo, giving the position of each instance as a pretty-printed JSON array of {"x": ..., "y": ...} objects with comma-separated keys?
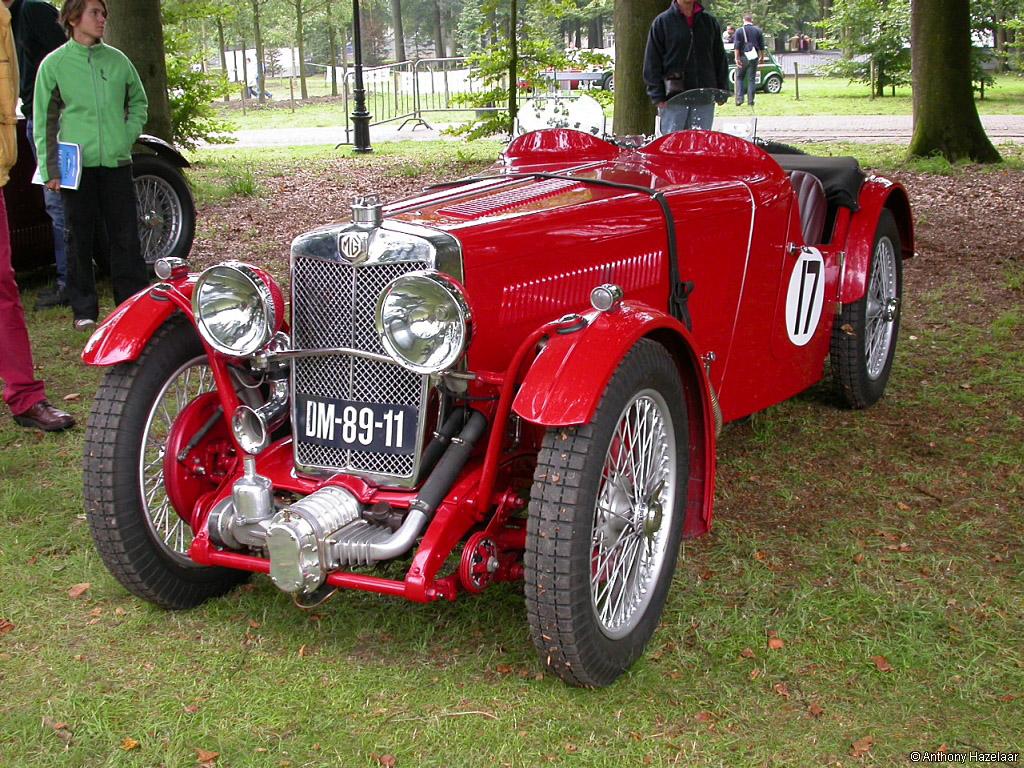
[{"x": 811, "y": 202}]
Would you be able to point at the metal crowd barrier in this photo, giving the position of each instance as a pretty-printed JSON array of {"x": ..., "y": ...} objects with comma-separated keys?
[{"x": 408, "y": 90}]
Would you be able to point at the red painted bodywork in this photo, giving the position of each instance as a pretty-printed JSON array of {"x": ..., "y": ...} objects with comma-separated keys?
[{"x": 534, "y": 247}]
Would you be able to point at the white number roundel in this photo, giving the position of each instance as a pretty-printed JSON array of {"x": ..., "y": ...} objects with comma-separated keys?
[{"x": 806, "y": 296}]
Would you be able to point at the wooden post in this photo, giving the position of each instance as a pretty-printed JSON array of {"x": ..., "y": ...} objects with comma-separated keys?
[
  {"x": 796, "y": 79},
  {"x": 871, "y": 78}
]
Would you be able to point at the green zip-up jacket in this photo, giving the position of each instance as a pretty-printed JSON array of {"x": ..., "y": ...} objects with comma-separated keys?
[{"x": 91, "y": 96}]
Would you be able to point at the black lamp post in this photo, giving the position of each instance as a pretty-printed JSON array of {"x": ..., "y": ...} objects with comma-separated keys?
[{"x": 360, "y": 116}]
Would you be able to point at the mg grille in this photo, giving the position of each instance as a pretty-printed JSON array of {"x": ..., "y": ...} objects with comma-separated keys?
[{"x": 334, "y": 305}]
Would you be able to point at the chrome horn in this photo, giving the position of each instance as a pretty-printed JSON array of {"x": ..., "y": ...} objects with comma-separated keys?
[{"x": 252, "y": 427}]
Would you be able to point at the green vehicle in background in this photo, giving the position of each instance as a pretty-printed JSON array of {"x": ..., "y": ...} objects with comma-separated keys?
[{"x": 769, "y": 73}]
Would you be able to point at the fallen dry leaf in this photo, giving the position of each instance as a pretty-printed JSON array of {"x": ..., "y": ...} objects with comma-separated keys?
[
  {"x": 78, "y": 590},
  {"x": 129, "y": 744},
  {"x": 388, "y": 761},
  {"x": 703, "y": 717},
  {"x": 6, "y": 626},
  {"x": 861, "y": 747},
  {"x": 858, "y": 558},
  {"x": 61, "y": 730},
  {"x": 775, "y": 643},
  {"x": 206, "y": 756},
  {"x": 746, "y": 653},
  {"x": 503, "y": 669},
  {"x": 303, "y": 653},
  {"x": 72, "y": 397},
  {"x": 815, "y": 710},
  {"x": 755, "y": 673},
  {"x": 882, "y": 663},
  {"x": 782, "y": 689},
  {"x": 761, "y": 556}
]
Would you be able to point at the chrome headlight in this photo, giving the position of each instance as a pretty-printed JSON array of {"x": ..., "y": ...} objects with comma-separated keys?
[
  {"x": 423, "y": 321},
  {"x": 238, "y": 308}
]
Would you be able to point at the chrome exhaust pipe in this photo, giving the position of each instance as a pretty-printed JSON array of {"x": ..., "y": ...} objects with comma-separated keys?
[{"x": 252, "y": 427}]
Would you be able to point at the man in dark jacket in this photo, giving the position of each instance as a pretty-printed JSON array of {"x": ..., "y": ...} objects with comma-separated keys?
[
  {"x": 37, "y": 31},
  {"x": 684, "y": 51}
]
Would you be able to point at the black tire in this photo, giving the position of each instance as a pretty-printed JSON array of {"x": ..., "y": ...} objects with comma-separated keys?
[
  {"x": 608, "y": 83},
  {"x": 167, "y": 212},
  {"x": 773, "y": 84},
  {"x": 865, "y": 332},
  {"x": 573, "y": 582},
  {"x": 141, "y": 539}
]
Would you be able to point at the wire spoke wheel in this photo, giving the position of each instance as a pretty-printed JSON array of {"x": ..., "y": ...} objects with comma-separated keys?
[
  {"x": 157, "y": 442},
  {"x": 606, "y": 516},
  {"x": 628, "y": 534},
  {"x": 865, "y": 332},
  {"x": 160, "y": 217},
  {"x": 191, "y": 380},
  {"x": 166, "y": 211},
  {"x": 882, "y": 303}
]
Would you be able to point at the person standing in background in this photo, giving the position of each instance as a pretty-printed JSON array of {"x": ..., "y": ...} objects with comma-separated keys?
[
  {"x": 88, "y": 93},
  {"x": 684, "y": 51},
  {"x": 37, "y": 32},
  {"x": 23, "y": 393},
  {"x": 749, "y": 51}
]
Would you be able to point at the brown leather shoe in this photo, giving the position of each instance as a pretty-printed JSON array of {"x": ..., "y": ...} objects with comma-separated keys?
[{"x": 44, "y": 416}]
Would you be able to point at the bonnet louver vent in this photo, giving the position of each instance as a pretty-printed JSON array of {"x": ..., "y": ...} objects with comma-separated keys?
[{"x": 511, "y": 198}]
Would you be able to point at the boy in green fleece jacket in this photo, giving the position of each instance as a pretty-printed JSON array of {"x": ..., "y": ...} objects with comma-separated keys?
[{"x": 89, "y": 94}]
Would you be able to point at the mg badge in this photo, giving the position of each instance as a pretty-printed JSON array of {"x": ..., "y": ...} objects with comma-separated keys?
[{"x": 352, "y": 246}]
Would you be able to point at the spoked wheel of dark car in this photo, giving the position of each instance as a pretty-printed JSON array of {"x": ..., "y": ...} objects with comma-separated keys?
[
  {"x": 606, "y": 515},
  {"x": 865, "y": 332},
  {"x": 167, "y": 217},
  {"x": 138, "y": 498}
]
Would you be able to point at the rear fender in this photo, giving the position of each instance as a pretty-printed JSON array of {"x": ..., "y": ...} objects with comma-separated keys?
[
  {"x": 125, "y": 333},
  {"x": 566, "y": 381},
  {"x": 161, "y": 148},
  {"x": 877, "y": 195}
]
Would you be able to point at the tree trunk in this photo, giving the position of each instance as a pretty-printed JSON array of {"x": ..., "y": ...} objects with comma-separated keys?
[
  {"x": 332, "y": 46},
  {"x": 136, "y": 29},
  {"x": 634, "y": 112},
  {"x": 396, "y": 22},
  {"x": 513, "y": 64},
  {"x": 301, "y": 44},
  {"x": 439, "y": 49},
  {"x": 223, "y": 53},
  {"x": 261, "y": 64},
  {"x": 945, "y": 115}
]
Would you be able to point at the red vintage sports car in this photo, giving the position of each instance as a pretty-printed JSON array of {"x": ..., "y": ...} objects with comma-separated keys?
[{"x": 515, "y": 376}]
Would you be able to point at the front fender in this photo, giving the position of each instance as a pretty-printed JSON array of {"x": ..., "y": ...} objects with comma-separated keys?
[
  {"x": 125, "y": 333},
  {"x": 566, "y": 381},
  {"x": 568, "y": 377},
  {"x": 877, "y": 195}
]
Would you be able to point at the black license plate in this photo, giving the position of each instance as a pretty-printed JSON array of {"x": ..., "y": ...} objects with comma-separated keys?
[{"x": 354, "y": 426}]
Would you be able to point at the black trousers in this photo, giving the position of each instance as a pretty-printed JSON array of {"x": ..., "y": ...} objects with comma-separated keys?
[{"x": 104, "y": 195}]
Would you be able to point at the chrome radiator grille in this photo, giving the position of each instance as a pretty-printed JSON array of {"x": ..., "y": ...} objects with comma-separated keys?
[{"x": 334, "y": 305}]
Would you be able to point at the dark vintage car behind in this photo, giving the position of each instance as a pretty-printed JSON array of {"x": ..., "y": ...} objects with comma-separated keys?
[{"x": 167, "y": 214}]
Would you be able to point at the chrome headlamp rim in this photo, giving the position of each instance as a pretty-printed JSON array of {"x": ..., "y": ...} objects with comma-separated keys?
[
  {"x": 463, "y": 321},
  {"x": 267, "y": 300}
]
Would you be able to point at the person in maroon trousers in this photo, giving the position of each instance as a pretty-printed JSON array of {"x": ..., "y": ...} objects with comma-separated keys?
[{"x": 23, "y": 392}]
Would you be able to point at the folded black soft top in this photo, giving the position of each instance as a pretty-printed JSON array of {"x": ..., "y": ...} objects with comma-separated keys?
[{"x": 842, "y": 177}]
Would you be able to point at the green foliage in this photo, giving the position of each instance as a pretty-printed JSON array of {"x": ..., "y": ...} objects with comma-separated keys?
[
  {"x": 190, "y": 90},
  {"x": 535, "y": 52},
  {"x": 870, "y": 31}
]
